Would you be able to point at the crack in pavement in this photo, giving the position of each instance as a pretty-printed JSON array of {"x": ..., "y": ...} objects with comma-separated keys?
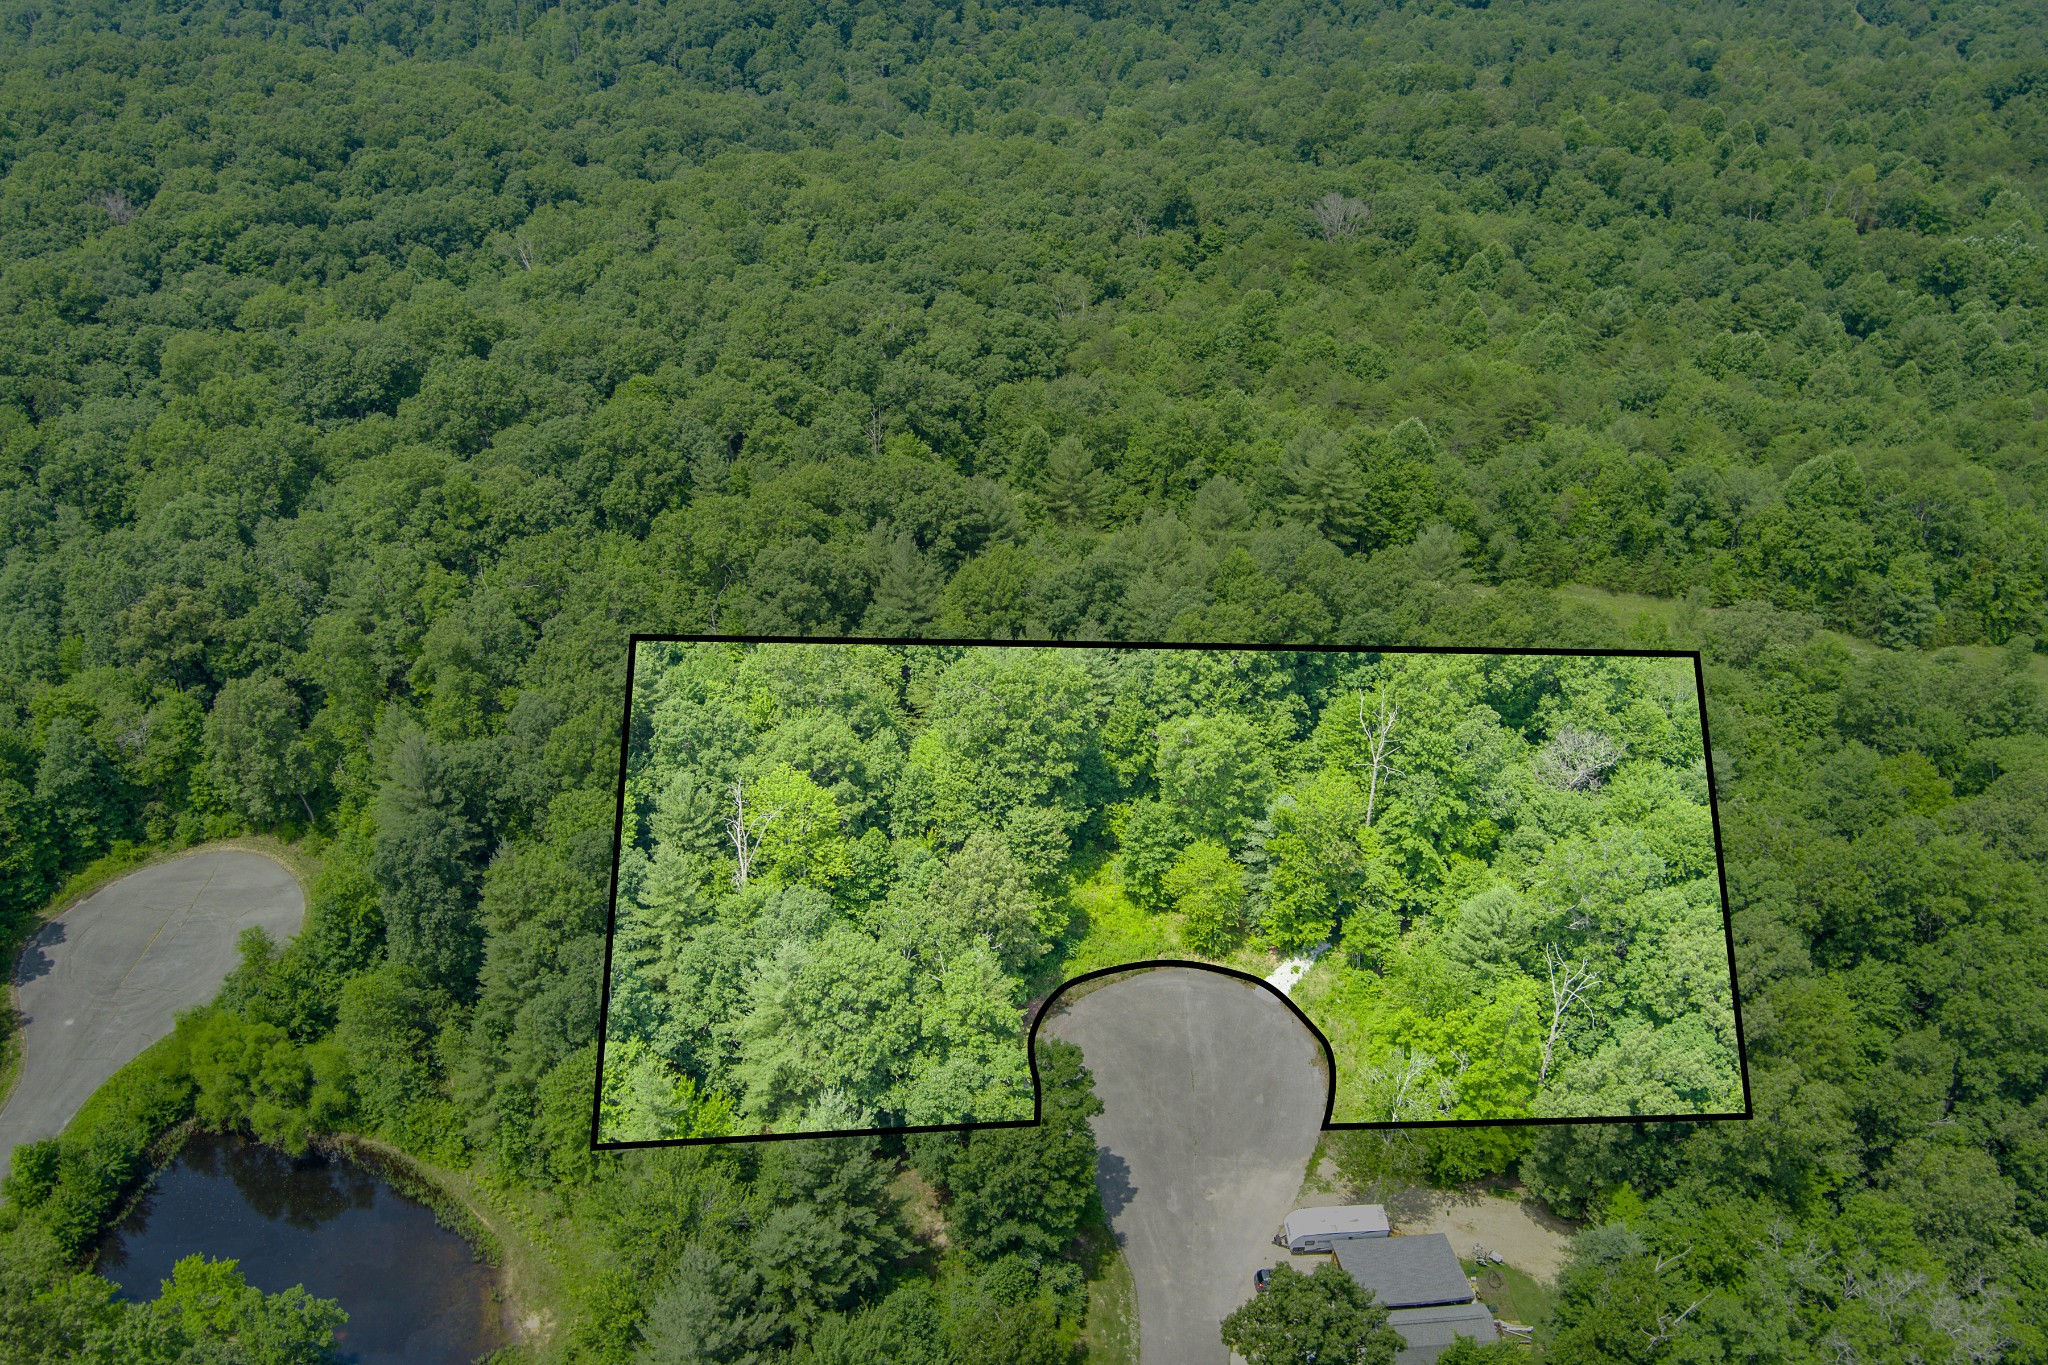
[{"x": 185, "y": 910}]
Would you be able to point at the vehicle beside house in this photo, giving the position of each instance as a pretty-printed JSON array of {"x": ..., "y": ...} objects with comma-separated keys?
[{"x": 1321, "y": 1229}]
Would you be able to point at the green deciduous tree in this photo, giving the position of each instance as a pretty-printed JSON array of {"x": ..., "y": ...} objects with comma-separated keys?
[
  {"x": 1470, "y": 1350},
  {"x": 1311, "y": 1320},
  {"x": 802, "y": 837},
  {"x": 1004, "y": 731},
  {"x": 252, "y": 1074},
  {"x": 78, "y": 790},
  {"x": 211, "y": 1302},
  {"x": 645, "y": 1099},
  {"x": 29, "y": 859},
  {"x": 986, "y": 892},
  {"x": 972, "y": 1063},
  {"x": 262, "y": 764},
  {"x": 1216, "y": 772},
  {"x": 1150, "y": 837},
  {"x": 1326, "y": 868},
  {"x": 386, "y": 1023},
  {"x": 1207, "y": 887}
]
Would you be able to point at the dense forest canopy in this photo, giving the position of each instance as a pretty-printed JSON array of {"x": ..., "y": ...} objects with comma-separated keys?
[
  {"x": 372, "y": 370},
  {"x": 845, "y": 871}
]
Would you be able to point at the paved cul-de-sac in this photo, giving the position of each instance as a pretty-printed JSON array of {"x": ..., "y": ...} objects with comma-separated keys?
[
  {"x": 104, "y": 981},
  {"x": 1213, "y": 1095}
]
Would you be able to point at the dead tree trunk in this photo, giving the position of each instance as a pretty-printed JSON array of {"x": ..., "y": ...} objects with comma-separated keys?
[
  {"x": 746, "y": 838},
  {"x": 1567, "y": 983},
  {"x": 1378, "y": 733}
]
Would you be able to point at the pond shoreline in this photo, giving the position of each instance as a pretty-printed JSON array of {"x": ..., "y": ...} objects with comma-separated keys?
[
  {"x": 521, "y": 1322},
  {"x": 404, "y": 1173},
  {"x": 524, "y": 1321}
]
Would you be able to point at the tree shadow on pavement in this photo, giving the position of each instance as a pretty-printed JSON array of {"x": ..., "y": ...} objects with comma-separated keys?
[
  {"x": 1113, "y": 1179},
  {"x": 34, "y": 962}
]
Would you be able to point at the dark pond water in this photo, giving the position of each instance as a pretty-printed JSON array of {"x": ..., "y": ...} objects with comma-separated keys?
[{"x": 413, "y": 1291}]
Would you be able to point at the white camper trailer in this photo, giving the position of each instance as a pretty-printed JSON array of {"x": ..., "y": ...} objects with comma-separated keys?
[{"x": 1309, "y": 1230}]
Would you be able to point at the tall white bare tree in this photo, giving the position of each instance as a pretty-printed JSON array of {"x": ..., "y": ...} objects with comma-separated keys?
[
  {"x": 744, "y": 829},
  {"x": 1339, "y": 215},
  {"x": 1667, "y": 1326},
  {"x": 1568, "y": 981},
  {"x": 1379, "y": 744},
  {"x": 1397, "y": 1084},
  {"x": 1398, "y": 1089}
]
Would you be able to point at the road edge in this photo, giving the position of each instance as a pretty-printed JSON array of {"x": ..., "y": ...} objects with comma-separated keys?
[{"x": 302, "y": 863}]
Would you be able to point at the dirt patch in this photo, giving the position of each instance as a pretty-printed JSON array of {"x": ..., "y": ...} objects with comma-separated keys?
[
  {"x": 919, "y": 1202},
  {"x": 1528, "y": 1236}
]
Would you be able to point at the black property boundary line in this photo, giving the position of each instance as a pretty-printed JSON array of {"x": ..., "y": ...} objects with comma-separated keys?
[{"x": 597, "y": 1144}]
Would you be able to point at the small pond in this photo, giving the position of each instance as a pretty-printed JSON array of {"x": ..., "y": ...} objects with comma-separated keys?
[{"x": 414, "y": 1293}]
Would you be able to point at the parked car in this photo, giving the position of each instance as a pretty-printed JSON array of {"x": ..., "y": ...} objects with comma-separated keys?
[{"x": 1259, "y": 1278}]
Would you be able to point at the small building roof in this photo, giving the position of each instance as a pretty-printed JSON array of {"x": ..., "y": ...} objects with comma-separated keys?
[
  {"x": 1350, "y": 1220},
  {"x": 1407, "y": 1272},
  {"x": 1429, "y": 1331}
]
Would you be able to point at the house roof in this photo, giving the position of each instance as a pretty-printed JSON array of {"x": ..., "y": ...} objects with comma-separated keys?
[
  {"x": 1429, "y": 1331},
  {"x": 1407, "y": 1272}
]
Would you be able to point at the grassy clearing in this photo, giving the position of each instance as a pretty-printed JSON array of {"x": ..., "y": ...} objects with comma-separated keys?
[
  {"x": 1518, "y": 1298},
  {"x": 1109, "y": 1333},
  {"x": 1118, "y": 930},
  {"x": 1625, "y": 607},
  {"x": 1649, "y": 615},
  {"x": 1634, "y": 610},
  {"x": 1347, "y": 1038}
]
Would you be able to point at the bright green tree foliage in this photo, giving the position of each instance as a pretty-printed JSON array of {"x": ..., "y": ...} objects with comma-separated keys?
[
  {"x": 1207, "y": 886},
  {"x": 1307, "y": 1319},
  {"x": 408, "y": 361}
]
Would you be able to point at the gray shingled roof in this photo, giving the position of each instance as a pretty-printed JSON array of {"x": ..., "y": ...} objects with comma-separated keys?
[
  {"x": 1407, "y": 1272},
  {"x": 1428, "y": 1331}
]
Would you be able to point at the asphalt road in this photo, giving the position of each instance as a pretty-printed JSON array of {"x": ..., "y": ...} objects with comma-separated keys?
[
  {"x": 102, "y": 983},
  {"x": 1212, "y": 1095}
]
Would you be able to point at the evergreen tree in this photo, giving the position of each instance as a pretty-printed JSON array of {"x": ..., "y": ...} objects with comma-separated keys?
[
  {"x": 424, "y": 869},
  {"x": 825, "y": 1229},
  {"x": 1027, "y": 1189}
]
